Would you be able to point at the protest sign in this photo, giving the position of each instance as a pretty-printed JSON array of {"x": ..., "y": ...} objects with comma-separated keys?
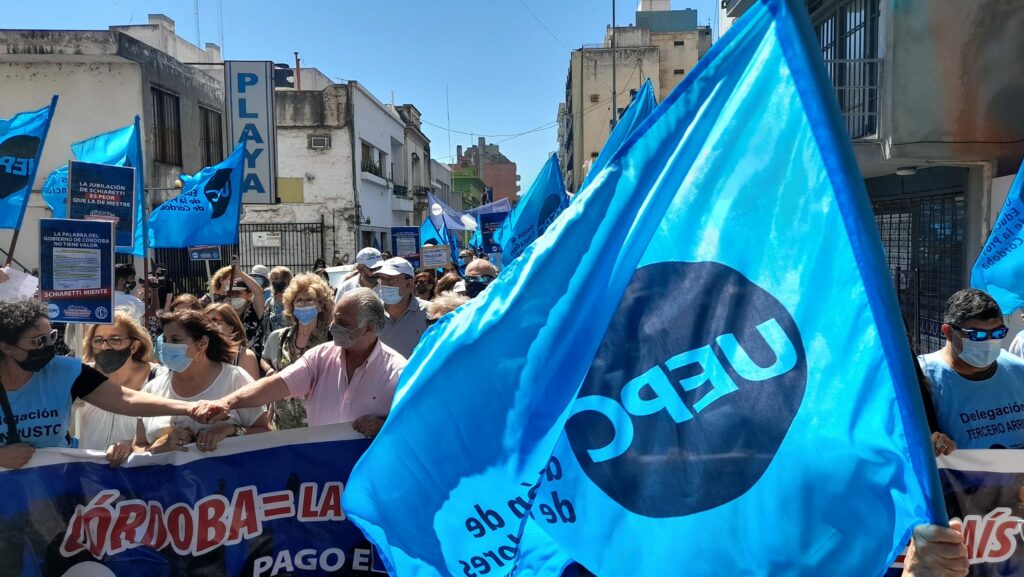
[
  {"x": 177, "y": 513},
  {"x": 405, "y": 241},
  {"x": 103, "y": 192},
  {"x": 76, "y": 273},
  {"x": 204, "y": 252},
  {"x": 435, "y": 256},
  {"x": 489, "y": 224}
]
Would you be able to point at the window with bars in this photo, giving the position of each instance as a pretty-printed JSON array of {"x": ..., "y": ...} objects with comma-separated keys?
[
  {"x": 166, "y": 128},
  {"x": 211, "y": 141},
  {"x": 848, "y": 33},
  {"x": 924, "y": 245}
]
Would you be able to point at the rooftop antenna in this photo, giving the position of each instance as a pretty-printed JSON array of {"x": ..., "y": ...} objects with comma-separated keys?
[
  {"x": 220, "y": 8},
  {"x": 197, "y": 21}
]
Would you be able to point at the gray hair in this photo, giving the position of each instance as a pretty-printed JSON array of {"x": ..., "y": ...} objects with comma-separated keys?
[
  {"x": 445, "y": 303},
  {"x": 371, "y": 308}
]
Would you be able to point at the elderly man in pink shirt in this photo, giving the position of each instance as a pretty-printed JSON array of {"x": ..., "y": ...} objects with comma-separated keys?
[{"x": 352, "y": 378}]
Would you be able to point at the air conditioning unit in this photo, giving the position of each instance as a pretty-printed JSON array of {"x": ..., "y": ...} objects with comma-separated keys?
[{"x": 319, "y": 142}]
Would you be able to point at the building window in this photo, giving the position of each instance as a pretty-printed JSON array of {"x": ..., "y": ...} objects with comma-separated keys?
[
  {"x": 848, "y": 33},
  {"x": 166, "y": 128},
  {"x": 679, "y": 71},
  {"x": 211, "y": 141},
  {"x": 679, "y": 43},
  {"x": 595, "y": 98}
]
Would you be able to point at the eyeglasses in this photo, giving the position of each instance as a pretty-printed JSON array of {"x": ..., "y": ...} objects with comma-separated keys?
[
  {"x": 44, "y": 340},
  {"x": 303, "y": 302},
  {"x": 481, "y": 278},
  {"x": 978, "y": 335},
  {"x": 110, "y": 342}
]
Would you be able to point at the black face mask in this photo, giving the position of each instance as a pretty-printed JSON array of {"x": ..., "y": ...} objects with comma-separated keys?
[
  {"x": 37, "y": 359},
  {"x": 109, "y": 360},
  {"x": 422, "y": 289},
  {"x": 474, "y": 288},
  {"x": 129, "y": 286}
]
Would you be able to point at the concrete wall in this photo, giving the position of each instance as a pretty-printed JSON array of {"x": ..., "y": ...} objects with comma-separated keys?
[
  {"x": 673, "y": 58},
  {"x": 375, "y": 124},
  {"x": 160, "y": 34}
]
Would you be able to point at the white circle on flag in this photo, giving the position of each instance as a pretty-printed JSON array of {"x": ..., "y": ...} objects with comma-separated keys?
[
  {"x": 88, "y": 569},
  {"x": 436, "y": 210}
]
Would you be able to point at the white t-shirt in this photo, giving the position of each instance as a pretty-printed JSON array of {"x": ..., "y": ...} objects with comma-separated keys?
[
  {"x": 1017, "y": 345},
  {"x": 350, "y": 284},
  {"x": 230, "y": 379},
  {"x": 100, "y": 428}
]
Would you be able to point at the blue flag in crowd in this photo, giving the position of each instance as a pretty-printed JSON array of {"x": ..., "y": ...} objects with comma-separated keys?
[
  {"x": 430, "y": 235},
  {"x": 444, "y": 216},
  {"x": 121, "y": 147},
  {"x": 536, "y": 210},
  {"x": 1000, "y": 266},
  {"x": 638, "y": 110},
  {"x": 55, "y": 192},
  {"x": 728, "y": 406},
  {"x": 206, "y": 212},
  {"x": 22, "y": 138}
]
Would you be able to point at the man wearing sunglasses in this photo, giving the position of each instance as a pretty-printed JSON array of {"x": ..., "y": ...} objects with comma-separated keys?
[
  {"x": 479, "y": 274},
  {"x": 976, "y": 387}
]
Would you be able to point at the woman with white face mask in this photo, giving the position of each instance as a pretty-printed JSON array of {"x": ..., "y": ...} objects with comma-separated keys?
[
  {"x": 198, "y": 357},
  {"x": 124, "y": 353},
  {"x": 308, "y": 303}
]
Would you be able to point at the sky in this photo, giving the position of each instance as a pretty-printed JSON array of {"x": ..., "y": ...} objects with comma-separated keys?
[{"x": 498, "y": 66}]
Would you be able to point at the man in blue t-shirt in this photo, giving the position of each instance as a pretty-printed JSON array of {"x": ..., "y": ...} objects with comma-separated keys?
[{"x": 976, "y": 387}]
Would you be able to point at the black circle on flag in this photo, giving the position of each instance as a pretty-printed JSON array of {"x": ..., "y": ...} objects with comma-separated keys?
[
  {"x": 692, "y": 391},
  {"x": 218, "y": 191},
  {"x": 17, "y": 154}
]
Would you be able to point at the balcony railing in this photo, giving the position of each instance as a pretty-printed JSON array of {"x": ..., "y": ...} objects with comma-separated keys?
[
  {"x": 421, "y": 191},
  {"x": 372, "y": 167},
  {"x": 856, "y": 84}
]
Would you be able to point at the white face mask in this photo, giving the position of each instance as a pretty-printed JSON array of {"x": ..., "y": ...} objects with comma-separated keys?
[
  {"x": 980, "y": 354},
  {"x": 238, "y": 303},
  {"x": 391, "y": 295}
]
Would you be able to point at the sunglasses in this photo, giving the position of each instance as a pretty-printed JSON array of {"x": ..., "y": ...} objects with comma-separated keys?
[
  {"x": 979, "y": 335},
  {"x": 44, "y": 340},
  {"x": 481, "y": 278}
]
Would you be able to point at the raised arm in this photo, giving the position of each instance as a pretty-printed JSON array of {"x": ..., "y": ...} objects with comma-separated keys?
[
  {"x": 122, "y": 401},
  {"x": 256, "y": 394}
]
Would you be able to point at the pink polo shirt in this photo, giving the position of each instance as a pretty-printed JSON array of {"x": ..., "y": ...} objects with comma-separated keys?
[{"x": 320, "y": 377}]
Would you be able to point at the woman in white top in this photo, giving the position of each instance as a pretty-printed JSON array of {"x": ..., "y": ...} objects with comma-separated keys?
[
  {"x": 198, "y": 359},
  {"x": 123, "y": 352}
]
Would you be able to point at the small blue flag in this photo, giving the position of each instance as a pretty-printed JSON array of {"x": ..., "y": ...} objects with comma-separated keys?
[
  {"x": 55, "y": 192},
  {"x": 121, "y": 147},
  {"x": 430, "y": 235},
  {"x": 1000, "y": 266},
  {"x": 444, "y": 216},
  {"x": 22, "y": 138},
  {"x": 536, "y": 210},
  {"x": 206, "y": 212},
  {"x": 638, "y": 110},
  {"x": 727, "y": 406}
]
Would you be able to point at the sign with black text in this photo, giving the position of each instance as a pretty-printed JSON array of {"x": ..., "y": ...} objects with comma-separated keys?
[
  {"x": 435, "y": 256},
  {"x": 76, "y": 272},
  {"x": 103, "y": 192}
]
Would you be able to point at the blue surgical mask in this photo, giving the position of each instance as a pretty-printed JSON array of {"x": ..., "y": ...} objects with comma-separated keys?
[
  {"x": 175, "y": 357},
  {"x": 391, "y": 295},
  {"x": 305, "y": 315}
]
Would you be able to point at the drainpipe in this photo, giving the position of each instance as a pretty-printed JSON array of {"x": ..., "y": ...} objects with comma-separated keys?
[
  {"x": 350, "y": 111},
  {"x": 298, "y": 72}
]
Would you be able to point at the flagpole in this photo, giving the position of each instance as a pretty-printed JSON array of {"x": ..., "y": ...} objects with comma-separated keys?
[{"x": 615, "y": 86}]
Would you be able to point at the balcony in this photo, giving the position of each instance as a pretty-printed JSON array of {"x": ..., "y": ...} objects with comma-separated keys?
[
  {"x": 421, "y": 191},
  {"x": 373, "y": 168},
  {"x": 400, "y": 191},
  {"x": 856, "y": 84}
]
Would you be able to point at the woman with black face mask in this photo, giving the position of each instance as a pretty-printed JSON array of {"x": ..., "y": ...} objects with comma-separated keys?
[
  {"x": 37, "y": 388},
  {"x": 124, "y": 353}
]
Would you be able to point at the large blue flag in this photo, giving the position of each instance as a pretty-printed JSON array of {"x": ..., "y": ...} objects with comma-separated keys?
[
  {"x": 1000, "y": 266},
  {"x": 121, "y": 147},
  {"x": 733, "y": 395},
  {"x": 444, "y": 216},
  {"x": 536, "y": 210},
  {"x": 22, "y": 138},
  {"x": 206, "y": 212},
  {"x": 55, "y": 192},
  {"x": 638, "y": 110}
]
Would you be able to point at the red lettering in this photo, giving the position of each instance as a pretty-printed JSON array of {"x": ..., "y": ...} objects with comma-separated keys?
[
  {"x": 307, "y": 499},
  {"x": 97, "y": 518},
  {"x": 181, "y": 527},
  {"x": 156, "y": 535},
  {"x": 1005, "y": 544},
  {"x": 245, "y": 523},
  {"x": 131, "y": 515},
  {"x": 970, "y": 531},
  {"x": 212, "y": 530},
  {"x": 74, "y": 537},
  {"x": 330, "y": 505}
]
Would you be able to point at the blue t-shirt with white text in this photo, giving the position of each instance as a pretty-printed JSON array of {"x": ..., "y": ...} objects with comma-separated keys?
[
  {"x": 42, "y": 407},
  {"x": 982, "y": 414}
]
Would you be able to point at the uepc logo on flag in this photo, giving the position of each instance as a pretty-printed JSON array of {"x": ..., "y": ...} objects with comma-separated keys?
[
  {"x": 17, "y": 163},
  {"x": 714, "y": 354}
]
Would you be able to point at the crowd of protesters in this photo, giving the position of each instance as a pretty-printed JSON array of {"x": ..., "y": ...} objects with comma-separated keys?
[{"x": 275, "y": 349}]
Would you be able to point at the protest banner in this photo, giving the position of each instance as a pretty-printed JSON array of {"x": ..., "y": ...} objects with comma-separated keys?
[
  {"x": 103, "y": 192},
  {"x": 76, "y": 272},
  {"x": 405, "y": 241},
  {"x": 224, "y": 513},
  {"x": 204, "y": 252},
  {"x": 435, "y": 256}
]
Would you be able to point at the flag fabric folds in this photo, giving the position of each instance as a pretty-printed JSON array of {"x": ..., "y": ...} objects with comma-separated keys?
[
  {"x": 22, "y": 138},
  {"x": 669, "y": 393},
  {"x": 1000, "y": 266},
  {"x": 639, "y": 109},
  {"x": 121, "y": 147},
  {"x": 536, "y": 210},
  {"x": 444, "y": 216},
  {"x": 206, "y": 212},
  {"x": 55, "y": 192}
]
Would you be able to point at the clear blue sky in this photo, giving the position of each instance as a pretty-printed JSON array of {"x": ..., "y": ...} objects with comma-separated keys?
[{"x": 504, "y": 71}]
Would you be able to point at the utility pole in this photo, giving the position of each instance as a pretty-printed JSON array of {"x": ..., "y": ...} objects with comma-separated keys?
[{"x": 615, "y": 86}]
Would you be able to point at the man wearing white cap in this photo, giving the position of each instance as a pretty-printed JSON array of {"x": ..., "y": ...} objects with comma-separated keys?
[
  {"x": 406, "y": 314},
  {"x": 367, "y": 261}
]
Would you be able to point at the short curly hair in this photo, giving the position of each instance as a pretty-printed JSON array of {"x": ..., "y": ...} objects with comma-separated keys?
[
  {"x": 17, "y": 315},
  {"x": 970, "y": 305},
  {"x": 317, "y": 288}
]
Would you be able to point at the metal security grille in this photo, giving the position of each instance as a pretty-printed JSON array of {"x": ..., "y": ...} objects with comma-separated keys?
[
  {"x": 924, "y": 244},
  {"x": 848, "y": 32}
]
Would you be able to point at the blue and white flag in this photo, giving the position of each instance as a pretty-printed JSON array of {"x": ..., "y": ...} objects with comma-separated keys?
[
  {"x": 444, "y": 216},
  {"x": 1000, "y": 266},
  {"x": 206, "y": 212},
  {"x": 55, "y": 192},
  {"x": 536, "y": 210},
  {"x": 638, "y": 110},
  {"x": 736, "y": 396},
  {"x": 430, "y": 235},
  {"x": 22, "y": 138},
  {"x": 121, "y": 147}
]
